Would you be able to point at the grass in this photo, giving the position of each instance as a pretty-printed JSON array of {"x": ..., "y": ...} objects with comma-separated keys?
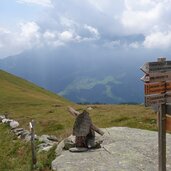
[
  {"x": 14, "y": 154},
  {"x": 24, "y": 101}
]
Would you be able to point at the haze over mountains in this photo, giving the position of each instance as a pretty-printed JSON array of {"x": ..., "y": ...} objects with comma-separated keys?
[{"x": 98, "y": 75}]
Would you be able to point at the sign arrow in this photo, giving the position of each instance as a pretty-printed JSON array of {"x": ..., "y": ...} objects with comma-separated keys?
[
  {"x": 145, "y": 68},
  {"x": 152, "y": 67},
  {"x": 157, "y": 77}
]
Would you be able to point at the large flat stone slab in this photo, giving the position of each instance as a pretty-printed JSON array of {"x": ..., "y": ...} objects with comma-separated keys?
[{"x": 123, "y": 149}]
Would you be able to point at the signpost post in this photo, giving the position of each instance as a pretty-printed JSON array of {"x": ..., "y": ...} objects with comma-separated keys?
[
  {"x": 157, "y": 86},
  {"x": 34, "y": 160}
]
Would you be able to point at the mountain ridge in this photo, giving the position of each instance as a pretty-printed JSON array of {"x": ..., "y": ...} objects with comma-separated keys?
[{"x": 81, "y": 77}]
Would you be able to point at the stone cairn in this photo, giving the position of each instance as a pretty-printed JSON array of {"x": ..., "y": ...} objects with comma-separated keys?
[
  {"x": 83, "y": 137},
  {"x": 46, "y": 141}
]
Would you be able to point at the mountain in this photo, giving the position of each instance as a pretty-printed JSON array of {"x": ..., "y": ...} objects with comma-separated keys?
[
  {"x": 95, "y": 76},
  {"x": 16, "y": 91}
]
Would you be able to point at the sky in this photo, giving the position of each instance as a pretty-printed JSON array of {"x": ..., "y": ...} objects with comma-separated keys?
[{"x": 111, "y": 24}]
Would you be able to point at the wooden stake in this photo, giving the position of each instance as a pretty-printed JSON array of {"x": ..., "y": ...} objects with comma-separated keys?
[{"x": 34, "y": 160}]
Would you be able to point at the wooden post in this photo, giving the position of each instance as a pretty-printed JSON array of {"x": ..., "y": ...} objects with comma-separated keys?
[
  {"x": 162, "y": 138},
  {"x": 34, "y": 160},
  {"x": 162, "y": 131}
]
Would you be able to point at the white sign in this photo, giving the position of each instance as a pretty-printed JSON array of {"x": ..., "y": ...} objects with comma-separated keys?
[
  {"x": 157, "y": 77},
  {"x": 151, "y": 67}
]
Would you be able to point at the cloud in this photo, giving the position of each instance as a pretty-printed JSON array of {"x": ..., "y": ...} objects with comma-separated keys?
[
  {"x": 29, "y": 35},
  {"x": 161, "y": 40},
  {"x": 140, "y": 19},
  {"x": 92, "y": 30},
  {"x": 66, "y": 36},
  {"x": 44, "y": 3},
  {"x": 106, "y": 23},
  {"x": 135, "y": 45},
  {"x": 145, "y": 16},
  {"x": 26, "y": 37}
]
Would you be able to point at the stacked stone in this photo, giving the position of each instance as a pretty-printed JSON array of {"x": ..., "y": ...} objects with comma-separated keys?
[{"x": 47, "y": 141}]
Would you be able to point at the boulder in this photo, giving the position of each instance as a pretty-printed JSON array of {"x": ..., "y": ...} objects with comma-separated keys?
[
  {"x": 14, "y": 124},
  {"x": 125, "y": 149}
]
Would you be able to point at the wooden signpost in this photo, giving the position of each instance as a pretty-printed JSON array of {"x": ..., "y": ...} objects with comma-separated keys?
[
  {"x": 157, "y": 89},
  {"x": 156, "y": 77}
]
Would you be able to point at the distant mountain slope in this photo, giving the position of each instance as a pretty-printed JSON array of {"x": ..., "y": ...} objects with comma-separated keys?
[
  {"x": 106, "y": 77},
  {"x": 18, "y": 91}
]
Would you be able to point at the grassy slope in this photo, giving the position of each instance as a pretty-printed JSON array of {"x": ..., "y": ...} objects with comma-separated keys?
[{"x": 24, "y": 101}]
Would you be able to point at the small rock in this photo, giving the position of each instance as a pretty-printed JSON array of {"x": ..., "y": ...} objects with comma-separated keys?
[
  {"x": 59, "y": 148},
  {"x": 27, "y": 138},
  {"x": 14, "y": 124},
  {"x": 45, "y": 146},
  {"x": 6, "y": 121},
  {"x": 15, "y": 130},
  {"x": 19, "y": 132},
  {"x": 44, "y": 138},
  {"x": 24, "y": 134},
  {"x": 78, "y": 149},
  {"x": 2, "y": 117},
  {"x": 53, "y": 138},
  {"x": 68, "y": 143},
  {"x": 89, "y": 108}
]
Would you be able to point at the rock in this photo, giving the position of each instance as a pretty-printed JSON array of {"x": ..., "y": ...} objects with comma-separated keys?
[
  {"x": 69, "y": 142},
  {"x": 17, "y": 130},
  {"x": 14, "y": 124},
  {"x": 24, "y": 134},
  {"x": 6, "y": 121},
  {"x": 78, "y": 149},
  {"x": 89, "y": 108},
  {"x": 53, "y": 138},
  {"x": 44, "y": 138},
  {"x": 2, "y": 117},
  {"x": 123, "y": 149},
  {"x": 27, "y": 138},
  {"x": 45, "y": 146},
  {"x": 59, "y": 148}
]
